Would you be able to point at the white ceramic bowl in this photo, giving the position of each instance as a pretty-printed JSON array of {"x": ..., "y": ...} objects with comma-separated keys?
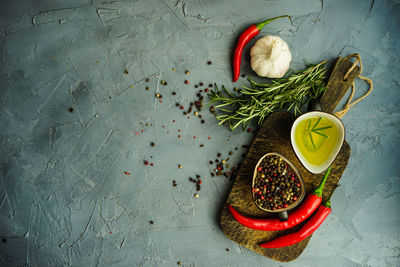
[{"x": 337, "y": 122}]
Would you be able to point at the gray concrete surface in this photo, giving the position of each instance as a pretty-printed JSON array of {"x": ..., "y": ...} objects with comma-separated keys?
[{"x": 64, "y": 197}]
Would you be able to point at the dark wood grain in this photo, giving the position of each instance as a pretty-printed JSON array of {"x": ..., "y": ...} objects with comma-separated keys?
[
  {"x": 337, "y": 85},
  {"x": 274, "y": 136}
]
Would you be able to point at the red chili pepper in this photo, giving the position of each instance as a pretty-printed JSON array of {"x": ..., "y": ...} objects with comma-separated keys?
[
  {"x": 308, "y": 229},
  {"x": 308, "y": 207},
  {"x": 244, "y": 38}
]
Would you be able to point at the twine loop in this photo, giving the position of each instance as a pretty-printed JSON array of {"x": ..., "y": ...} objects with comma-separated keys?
[{"x": 350, "y": 104}]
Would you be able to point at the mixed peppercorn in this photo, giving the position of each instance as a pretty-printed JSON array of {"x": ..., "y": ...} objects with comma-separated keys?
[
  {"x": 196, "y": 181},
  {"x": 196, "y": 105},
  {"x": 194, "y": 108},
  {"x": 222, "y": 167},
  {"x": 275, "y": 186}
]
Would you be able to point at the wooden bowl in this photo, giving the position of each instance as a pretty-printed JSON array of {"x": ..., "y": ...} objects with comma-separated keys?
[{"x": 282, "y": 213}]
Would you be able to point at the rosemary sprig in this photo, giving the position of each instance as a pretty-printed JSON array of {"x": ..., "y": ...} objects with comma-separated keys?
[
  {"x": 259, "y": 100},
  {"x": 315, "y": 130}
]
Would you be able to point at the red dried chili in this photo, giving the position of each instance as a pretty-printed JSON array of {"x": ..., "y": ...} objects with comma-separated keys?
[
  {"x": 307, "y": 208},
  {"x": 244, "y": 38},
  {"x": 308, "y": 229}
]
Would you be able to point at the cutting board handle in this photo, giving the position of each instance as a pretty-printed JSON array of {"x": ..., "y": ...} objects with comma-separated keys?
[{"x": 337, "y": 85}]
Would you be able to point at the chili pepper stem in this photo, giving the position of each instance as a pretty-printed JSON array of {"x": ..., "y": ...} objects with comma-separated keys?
[
  {"x": 328, "y": 201},
  {"x": 318, "y": 190},
  {"x": 262, "y": 24}
]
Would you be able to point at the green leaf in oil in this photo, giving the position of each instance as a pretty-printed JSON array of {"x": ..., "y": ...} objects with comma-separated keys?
[
  {"x": 312, "y": 140},
  {"x": 316, "y": 130}
]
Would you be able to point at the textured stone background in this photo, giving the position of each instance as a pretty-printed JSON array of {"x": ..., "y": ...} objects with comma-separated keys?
[{"x": 64, "y": 197}]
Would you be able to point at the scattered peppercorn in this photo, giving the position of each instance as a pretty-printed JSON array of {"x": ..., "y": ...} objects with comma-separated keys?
[
  {"x": 196, "y": 86},
  {"x": 201, "y": 145},
  {"x": 179, "y": 263},
  {"x": 209, "y": 62},
  {"x": 201, "y": 83},
  {"x": 219, "y": 154},
  {"x": 202, "y": 121},
  {"x": 210, "y": 85},
  {"x": 206, "y": 90},
  {"x": 151, "y": 222},
  {"x": 147, "y": 88},
  {"x": 243, "y": 75},
  {"x": 153, "y": 144},
  {"x": 173, "y": 93},
  {"x": 227, "y": 249},
  {"x": 187, "y": 82},
  {"x": 147, "y": 80},
  {"x": 126, "y": 71},
  {"x": 71, "y": 110},
  {"x": 174, "y": 183},
  {"x": 187, "y": 72}
]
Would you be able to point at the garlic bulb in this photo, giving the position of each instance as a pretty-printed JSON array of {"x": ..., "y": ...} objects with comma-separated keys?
[{"x": 270, "y": 57}]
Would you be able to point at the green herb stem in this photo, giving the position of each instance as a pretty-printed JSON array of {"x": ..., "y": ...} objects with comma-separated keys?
[
  {"x": 259, "y": 100},
  {"x": 316, "y": 131}
]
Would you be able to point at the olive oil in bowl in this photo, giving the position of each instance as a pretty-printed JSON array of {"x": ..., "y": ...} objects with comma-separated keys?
[{"x": 316, "y": 139}]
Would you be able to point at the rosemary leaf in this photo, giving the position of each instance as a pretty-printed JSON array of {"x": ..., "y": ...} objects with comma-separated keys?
[
  {"x": 260, "y": 100},
  {"x": 322, "y": 128},
  {"x": 321, "y": 134},
  {"x": 315, "y": 125},
  {"x": 312, "y": 140}
]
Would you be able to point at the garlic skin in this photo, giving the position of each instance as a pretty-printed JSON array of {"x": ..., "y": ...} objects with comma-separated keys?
[{"x": 270, "y": 57}]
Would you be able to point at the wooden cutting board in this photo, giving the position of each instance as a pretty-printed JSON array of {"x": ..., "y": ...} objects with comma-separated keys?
[{"x": 274, "y": 136}]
